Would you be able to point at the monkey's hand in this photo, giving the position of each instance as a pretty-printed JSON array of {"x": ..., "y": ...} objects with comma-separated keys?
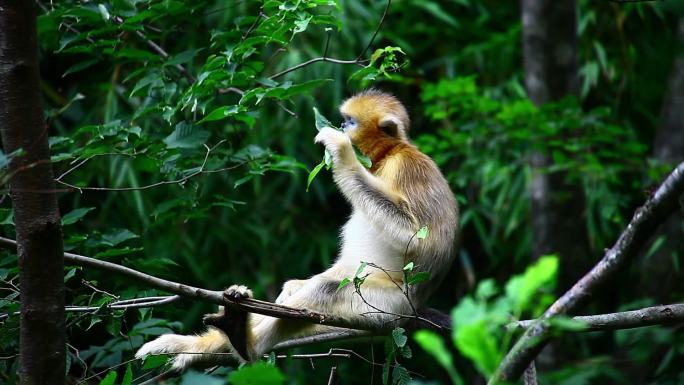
[{"x": 338, "y": 145}]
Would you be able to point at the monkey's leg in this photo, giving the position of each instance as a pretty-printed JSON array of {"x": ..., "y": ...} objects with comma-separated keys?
[
  {"x": 379, "y": 306},
  {"x": 189, "y": 349},
  {"x": 186, "y": 348},
  {"x": 289, "y": 288}
]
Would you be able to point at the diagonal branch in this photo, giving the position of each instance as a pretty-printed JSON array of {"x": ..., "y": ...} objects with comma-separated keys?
[{"x": 646, "y": 219}]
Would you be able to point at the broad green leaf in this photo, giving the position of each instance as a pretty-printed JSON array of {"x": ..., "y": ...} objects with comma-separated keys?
[
  {"x": 408, "y": 267},
  {"x": 220, "y": 113},
  {"x": 186, "y": 135},
  {"x": 477, "y": 343},
  {"x": 155, "y": 361},
  {"x": 418, "y": 277},
  {"x": 259, "y": 373},
  {"x": 434, "y": 345},
  {"x": 182, "y": 57},
  {"x": 76, "y": 215},
  {"x": 109, "y": 378},
  {"x": 128, "y": 376},
  {"x": 399, "y": 337},
  {"x": 400, "y": 375},
  {"x": 322, "y": 121},
  {"x": 115, "y": 236},
  {"x": 522, "y": 288}
]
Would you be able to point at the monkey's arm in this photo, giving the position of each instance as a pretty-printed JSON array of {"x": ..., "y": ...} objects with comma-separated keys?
[{"x": 384, "y": 207}]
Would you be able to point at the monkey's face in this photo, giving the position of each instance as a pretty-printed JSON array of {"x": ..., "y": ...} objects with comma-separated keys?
[{"x": 373, "y": 113}]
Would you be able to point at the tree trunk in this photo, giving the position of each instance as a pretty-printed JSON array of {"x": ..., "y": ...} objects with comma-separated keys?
[
  {"x": 36, "y": 214},
  {"x": 658, "y": 273},
  {"x": 550, "y": 60}
]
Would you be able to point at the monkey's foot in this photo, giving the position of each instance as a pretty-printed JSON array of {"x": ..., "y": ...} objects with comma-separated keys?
[{"x": 233, "y": 322}]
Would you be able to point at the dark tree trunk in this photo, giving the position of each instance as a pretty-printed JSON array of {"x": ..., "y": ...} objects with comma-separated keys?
[
  {"x": 658, "y": 273},
  {"x": 36, "y": 214},
  {"x": 550, "y": 58}
]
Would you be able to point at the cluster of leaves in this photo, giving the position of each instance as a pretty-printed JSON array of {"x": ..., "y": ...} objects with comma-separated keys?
[
  {"x": 479, "y": 321},
  {"x": 495, "y": 138}
]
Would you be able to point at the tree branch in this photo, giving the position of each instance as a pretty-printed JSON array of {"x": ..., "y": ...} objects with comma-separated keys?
[
  {"x": 249, "y": 304},
  {"x": 646, "y": 219},
  {"x": 649, "y": 316}
]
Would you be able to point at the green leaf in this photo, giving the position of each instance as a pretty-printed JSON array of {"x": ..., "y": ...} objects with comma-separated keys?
[
  {"x": 322, "y": 121},
  {"x": 313, "y": 174},
  {"x": 419, "y": 277},
  {"x": 422, "y": 233},
  {"x": 408, "y": 267},
  {"x": 434, "y": 345},
  {"x": 128, "y": 376},
  {"x": 72, "y": 271},
  {"x": 186, "y": 135},
  {"x": 365, "y": 161},
  {"x": 399, "y": 337},
  {"x": 477, "y": 343},
  {"x": 105, "y": 16},
  {"x": 109, "y": 378},
  {"x": 259, "y": 373},
  {"x": 360, "y": 269},
  {"x": 155, "y": 361},
  {"x": 115, "y": 236},
  {"x": 81, "y": 65},
  {"x": 400, "y": 375},
  {"x": 76, "y": 215},
  {"x": 182, "y": 57},
  {"x": 220, "y": 113},
  {"x": 343, "y": 283},
  {"x": 522, "y": 288}
]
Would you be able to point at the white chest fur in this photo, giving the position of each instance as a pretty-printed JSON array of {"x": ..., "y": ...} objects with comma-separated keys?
[{"x": 364, "y": 242}]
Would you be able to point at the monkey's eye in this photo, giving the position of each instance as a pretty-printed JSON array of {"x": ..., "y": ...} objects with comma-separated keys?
[{"x": 349, "y": 123}]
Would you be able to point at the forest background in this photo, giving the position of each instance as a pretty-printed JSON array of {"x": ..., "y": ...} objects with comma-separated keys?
[{"x": 181, "y": 137}]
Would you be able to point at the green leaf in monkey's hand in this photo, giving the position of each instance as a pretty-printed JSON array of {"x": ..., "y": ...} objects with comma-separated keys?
[
  {"x": 313, "y": 174},
  {"x": 365, "y": 161},
  {"x": 322, "y": 121}
]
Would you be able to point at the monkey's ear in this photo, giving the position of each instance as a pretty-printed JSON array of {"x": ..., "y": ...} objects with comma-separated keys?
[{"x": 390, "y": 125}]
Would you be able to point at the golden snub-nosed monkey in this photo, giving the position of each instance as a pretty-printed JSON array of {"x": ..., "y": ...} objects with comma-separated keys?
[{"x": 402, "y": 192}]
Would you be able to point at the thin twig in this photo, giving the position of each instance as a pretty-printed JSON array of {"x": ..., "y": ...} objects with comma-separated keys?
[
  {"x": 325, "y": 58},
  {"x": 382, "y": 20},
  {"x": 314, "y": 60},
  {"x": 182, "y": 180}
]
